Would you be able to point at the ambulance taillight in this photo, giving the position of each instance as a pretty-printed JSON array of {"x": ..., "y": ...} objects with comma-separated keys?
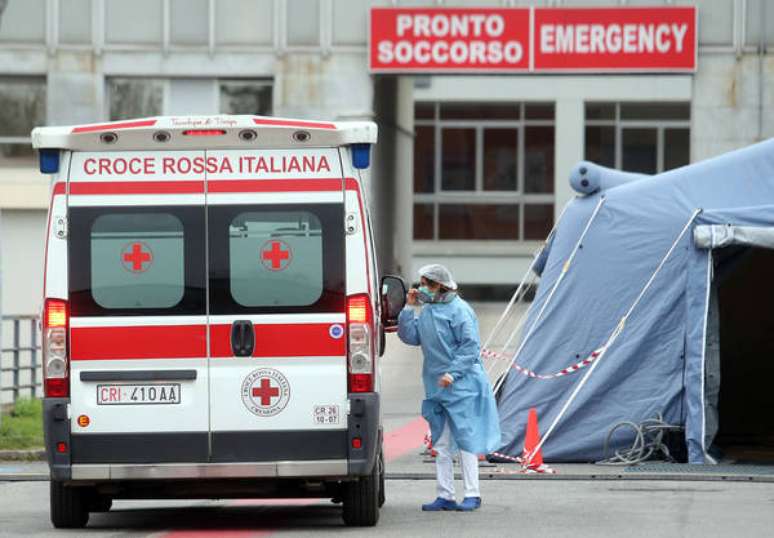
[
  {"x": 360, "y": 356},
  {"x": 56, "y": 368}
]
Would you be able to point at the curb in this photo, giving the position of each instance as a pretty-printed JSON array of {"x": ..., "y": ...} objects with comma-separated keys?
[
  {"x": 656, "y": 477},
  {"x": 35, "y": 454}
]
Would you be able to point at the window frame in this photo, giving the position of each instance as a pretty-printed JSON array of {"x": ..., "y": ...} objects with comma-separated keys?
[
  {"x": 517, "y": 198},
  {"x": 79, "y": 285},
  {"x": 620, "y": 124},
  {"x": 333, "y": 298}
]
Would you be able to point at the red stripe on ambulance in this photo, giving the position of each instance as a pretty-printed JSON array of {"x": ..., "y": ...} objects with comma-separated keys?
[
  {"x": 282, "y": 340},
  {"x": 113, "y": 126},
  {"x": 294, "y": 123},
  {"x": 137, "y": 187},
  {"x": 143, "y": 342}
]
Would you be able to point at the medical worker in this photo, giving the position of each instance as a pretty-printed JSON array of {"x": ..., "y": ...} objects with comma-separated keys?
[{"x": 459, "y": 404}]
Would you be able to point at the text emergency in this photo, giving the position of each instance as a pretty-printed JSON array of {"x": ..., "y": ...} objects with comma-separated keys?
[
  {"x": 444, "y": 38},
  {"x": 620, "y": 39}
]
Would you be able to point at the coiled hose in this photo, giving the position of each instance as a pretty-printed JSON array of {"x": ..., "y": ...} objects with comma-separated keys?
[{"x": 648, "y": 442}]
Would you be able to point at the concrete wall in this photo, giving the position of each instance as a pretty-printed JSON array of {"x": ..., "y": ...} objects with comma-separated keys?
[
  {"x": 733, "y": 104},
  {"x": 21, "y": 260}
]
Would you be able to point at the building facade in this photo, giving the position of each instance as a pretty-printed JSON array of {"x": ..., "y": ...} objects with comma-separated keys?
[{"x": 470, "y": 170}]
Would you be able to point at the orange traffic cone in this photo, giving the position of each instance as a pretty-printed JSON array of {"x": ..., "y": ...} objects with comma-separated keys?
[{"x": 531, "y": 440}]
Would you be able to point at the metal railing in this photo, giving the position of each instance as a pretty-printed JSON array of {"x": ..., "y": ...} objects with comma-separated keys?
[{"x": 20, "y": 358}]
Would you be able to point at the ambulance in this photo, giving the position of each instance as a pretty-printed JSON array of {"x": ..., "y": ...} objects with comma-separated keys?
[{"x": 213, "y": 315}]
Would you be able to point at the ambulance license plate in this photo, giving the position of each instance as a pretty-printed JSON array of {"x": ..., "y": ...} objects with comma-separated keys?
[{"x": 167, "y": 393}]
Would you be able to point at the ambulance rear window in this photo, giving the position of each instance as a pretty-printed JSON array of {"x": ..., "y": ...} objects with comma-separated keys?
[
  {"x": 136, "y": 261},
  {"x": 279, "y": 258},
  {"x": 288, "y": 246}
]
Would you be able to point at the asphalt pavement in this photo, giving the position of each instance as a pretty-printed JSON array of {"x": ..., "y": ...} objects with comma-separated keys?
[{"x": 525, "y": 508}]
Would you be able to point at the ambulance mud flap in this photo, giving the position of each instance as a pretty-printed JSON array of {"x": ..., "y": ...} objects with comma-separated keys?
[
  {"x": 364, "y": 434},
  {"x": 56, "y": 430}
]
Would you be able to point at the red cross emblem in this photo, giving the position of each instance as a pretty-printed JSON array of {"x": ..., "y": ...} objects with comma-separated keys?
[
  {"x": 136, "y": 257},
  {"x": 276, "y": 255},
  {"x": 266, "y": 392}
]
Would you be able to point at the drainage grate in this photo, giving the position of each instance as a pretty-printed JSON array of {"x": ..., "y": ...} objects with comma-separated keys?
[{"x": 673, "y": 468}]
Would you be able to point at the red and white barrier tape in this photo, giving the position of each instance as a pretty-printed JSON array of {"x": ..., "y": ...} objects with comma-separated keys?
[
  {"x": 529, "y": 373},
  {"x": 539, "y": 469}
]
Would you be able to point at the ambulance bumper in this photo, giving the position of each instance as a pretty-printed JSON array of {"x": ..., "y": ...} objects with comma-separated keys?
[{"x": 180, "y": 471}]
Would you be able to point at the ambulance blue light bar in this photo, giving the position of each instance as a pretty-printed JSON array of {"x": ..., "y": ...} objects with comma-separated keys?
[
  {"x": 361, "y": 156},
  {"x": 49, "y": 161}
]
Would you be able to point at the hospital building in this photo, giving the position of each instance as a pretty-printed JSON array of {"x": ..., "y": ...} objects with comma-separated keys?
[{"x": 483, "y": 107}]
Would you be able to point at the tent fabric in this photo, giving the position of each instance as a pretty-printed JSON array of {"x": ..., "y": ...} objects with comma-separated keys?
[
  {"x": 587, "y": 177},
  {"x": 657, "y": 365}
]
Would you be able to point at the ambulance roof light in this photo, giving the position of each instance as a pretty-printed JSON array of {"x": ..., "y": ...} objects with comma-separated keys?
[
  {"x": 49, "y": 161},
  {"x": 361, "y": 156}
]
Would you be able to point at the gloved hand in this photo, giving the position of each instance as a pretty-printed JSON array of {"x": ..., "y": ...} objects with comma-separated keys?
[{"x": 445, "y": 380}]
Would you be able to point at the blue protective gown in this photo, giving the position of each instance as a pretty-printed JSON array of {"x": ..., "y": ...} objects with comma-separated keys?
[{"x": 448, "y": 334}]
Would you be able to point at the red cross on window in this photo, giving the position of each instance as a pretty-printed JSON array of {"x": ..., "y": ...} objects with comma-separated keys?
[
  {"x": 137, "y": 257},
  {"x": 276, "y": 256},
  {"x": 266, "y": 392}
]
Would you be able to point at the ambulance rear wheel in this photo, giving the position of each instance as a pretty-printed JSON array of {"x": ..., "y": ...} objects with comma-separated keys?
[
  {"x": 361, "y": 500},
  {"x": 69, "y": 506}
]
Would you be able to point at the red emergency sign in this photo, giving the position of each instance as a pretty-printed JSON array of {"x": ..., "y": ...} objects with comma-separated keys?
[
  {"x": 615, "y": 39},
  {"x": 495, "y": 40},
  {"x": 449, "y": 39}
]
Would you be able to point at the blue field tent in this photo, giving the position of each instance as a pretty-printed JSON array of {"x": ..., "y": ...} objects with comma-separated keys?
[{"x": 666, "y": 358}]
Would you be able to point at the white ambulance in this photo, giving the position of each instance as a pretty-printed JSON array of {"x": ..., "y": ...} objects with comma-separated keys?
[{"x": 213, "y": 314}]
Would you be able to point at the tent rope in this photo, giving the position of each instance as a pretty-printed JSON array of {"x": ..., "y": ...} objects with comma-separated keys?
[
  {"x": 521, "y": 290},
  {"x": 648, "y": 440},
  {"x": 611, "y": 340},
  {"x": 565, "y": 269}
]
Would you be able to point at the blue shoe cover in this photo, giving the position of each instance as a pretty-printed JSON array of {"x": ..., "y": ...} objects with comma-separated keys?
[
  {"x": 439, "y": 504},
  {"x": 469, "y": 504}
]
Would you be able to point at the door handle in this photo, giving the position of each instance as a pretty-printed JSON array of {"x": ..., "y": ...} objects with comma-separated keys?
[{"x": 242, "y": 338}]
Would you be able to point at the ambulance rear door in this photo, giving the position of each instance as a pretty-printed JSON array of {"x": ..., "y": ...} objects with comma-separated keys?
[
  {"x": 276, "y": 245},
  {"x": 136, "y": 239}
]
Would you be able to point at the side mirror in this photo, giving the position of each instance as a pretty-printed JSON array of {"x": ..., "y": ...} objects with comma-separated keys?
[{"x": 393, "y": 300}]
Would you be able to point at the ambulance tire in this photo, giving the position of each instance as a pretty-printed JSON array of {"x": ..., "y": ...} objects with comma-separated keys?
[
  {"x": 69, "y": 506},
  {"x": 382, "y": 497},
  {"x": 361, "y": 500}
]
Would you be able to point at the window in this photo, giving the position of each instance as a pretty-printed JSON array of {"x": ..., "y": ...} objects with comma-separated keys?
[
  {"x": 149, "y": 248},
  {"x": 138, "y": 22},
  {"x": 136, "y": 261},
  {"x": 638, "y": 137},
  {"x": 135, "y": 97},
  {"x": 246, "y": 97},
  {"x": 303, "y": 23},
  {"x": 189, "y": 22},
  {"x": 244, "y": 22},
  {"x": 22, "y": 107},
  {"x": 276, "y": 259},
  {"x": 75, "y": 22},
  {"x": 23, "y": 22},
  {"x": 483, "y": 171}
]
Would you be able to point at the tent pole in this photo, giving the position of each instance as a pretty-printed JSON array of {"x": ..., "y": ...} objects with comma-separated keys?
[
  {"x": 565, "y": 268},
  {"x": 610, "y": 341}
]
